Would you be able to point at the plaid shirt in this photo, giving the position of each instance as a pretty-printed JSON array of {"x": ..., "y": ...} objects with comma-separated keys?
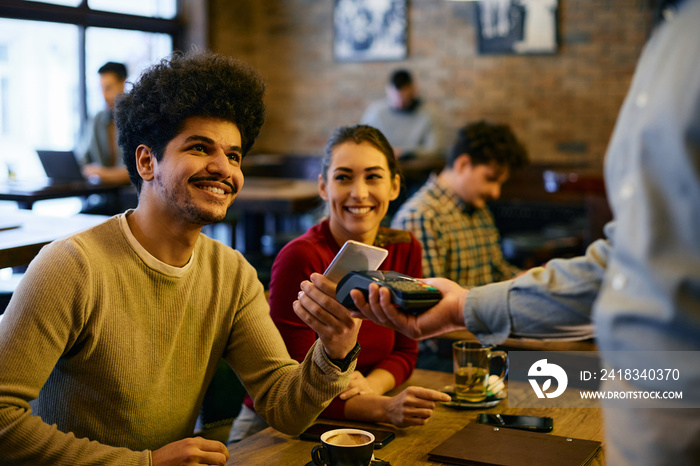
[{"x": 460, "y": 242}]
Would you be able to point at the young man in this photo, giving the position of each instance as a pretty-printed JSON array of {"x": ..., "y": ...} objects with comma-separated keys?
[
  {"x": 641, "y": 285},
  {"x": 404, "y": 119},
  {"x": 104, "y": 157},
  {"x": 449, "y": 215},
  {"x": 110, "y": 341}
]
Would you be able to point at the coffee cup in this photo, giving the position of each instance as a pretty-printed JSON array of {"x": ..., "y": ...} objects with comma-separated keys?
[
  {"x": 344, "y": 447},
  {"x": 472, "y": 368}
]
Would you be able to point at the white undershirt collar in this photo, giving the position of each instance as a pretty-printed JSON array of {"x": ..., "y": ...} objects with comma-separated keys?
[{"x": 146, "y": 256}]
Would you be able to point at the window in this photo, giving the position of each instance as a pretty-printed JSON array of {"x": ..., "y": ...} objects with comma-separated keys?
[
  {"x": 40, "y": 103},
  {"x": 137, "y": 50},
  {"x": 50, "y": 52}
]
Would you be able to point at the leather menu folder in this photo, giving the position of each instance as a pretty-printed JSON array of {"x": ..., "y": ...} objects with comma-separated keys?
[{"x": 480, "y": 445}]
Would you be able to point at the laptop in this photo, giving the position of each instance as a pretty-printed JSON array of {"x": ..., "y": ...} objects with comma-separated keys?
[{"x": 60, "y": 166}]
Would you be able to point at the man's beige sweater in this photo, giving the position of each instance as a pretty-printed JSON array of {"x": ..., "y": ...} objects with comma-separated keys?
[{"x": 106, "y": 352}]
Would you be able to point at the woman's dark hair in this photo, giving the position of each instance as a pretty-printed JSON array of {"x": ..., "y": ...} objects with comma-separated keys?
[
  {"x": 359, "y": 134},
  {"x": 488, "y": 142},
  {"x": 184, "y": 86}
]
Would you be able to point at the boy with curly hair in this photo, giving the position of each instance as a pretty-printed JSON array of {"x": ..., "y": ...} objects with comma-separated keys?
[{"x": 449, "y": 214}]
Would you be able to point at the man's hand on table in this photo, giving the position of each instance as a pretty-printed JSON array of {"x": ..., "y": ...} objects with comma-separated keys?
[
  {"x": 191, "y": 451},
  {"x": 332, "y": 322},
  {"x": 444, "y": 317}
]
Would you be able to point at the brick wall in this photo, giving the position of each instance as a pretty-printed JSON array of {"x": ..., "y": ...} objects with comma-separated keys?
[{"x": 562, "y": 106}]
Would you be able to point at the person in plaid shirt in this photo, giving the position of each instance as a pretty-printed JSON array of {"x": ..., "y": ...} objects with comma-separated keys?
[{"x": 449, "y": 214}]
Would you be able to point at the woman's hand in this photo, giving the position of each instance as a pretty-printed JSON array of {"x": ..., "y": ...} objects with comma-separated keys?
[
  {"x": 318, "y": 308},
  {"x": 359, "y": 385},
  {"x": 413, "y": 406}
]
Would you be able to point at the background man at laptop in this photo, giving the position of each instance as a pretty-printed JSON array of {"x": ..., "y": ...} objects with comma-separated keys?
[
  {"x": 104, "y": 157},
  {"x": 103, "y": 160},
  {"x": 113, "y": 335}
]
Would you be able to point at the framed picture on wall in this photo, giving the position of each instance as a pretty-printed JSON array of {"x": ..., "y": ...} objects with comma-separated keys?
[
  {"x": 369, "y": 30},
  {"x": 517, "y": 26}
]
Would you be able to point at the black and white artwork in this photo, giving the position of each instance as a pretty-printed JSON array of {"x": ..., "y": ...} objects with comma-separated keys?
[
  {"x": 517, "y": 26},
  {"x": 369, "y": 30}
]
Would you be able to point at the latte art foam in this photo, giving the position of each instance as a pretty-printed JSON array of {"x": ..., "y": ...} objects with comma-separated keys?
[{"x": 347, "y": 440}]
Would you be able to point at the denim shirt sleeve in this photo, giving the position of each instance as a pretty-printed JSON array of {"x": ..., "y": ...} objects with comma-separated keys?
[{"x": 545, "y": 301}]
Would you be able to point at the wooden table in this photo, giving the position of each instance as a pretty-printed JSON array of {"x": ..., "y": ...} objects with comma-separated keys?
[
  {"x": 263, "y": 195},
  {"x": 412, "y": 445},
  {"x": 420, "y": 168},
  {"x": 266, "y": 202},
  {"x": 259, "y": 194},
  {"x": 18, "y": 246},
  {"x": 298, "y": 166},
  {"x": 259, "y": 204},
  {"x": 26, "y": 193}
]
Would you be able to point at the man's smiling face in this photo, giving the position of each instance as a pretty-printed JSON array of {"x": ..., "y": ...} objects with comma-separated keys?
[{"x": 199, "y": 174}]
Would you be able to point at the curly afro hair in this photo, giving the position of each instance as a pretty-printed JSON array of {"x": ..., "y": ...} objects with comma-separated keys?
[
  {"x": 184, "y": 86},
  {"x": 488, "y": 142}
]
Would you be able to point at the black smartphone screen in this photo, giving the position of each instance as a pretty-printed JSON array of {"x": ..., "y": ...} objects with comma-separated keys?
[
  {"x": 531, "y": 423},
  {"x": 313, "y": 433}
]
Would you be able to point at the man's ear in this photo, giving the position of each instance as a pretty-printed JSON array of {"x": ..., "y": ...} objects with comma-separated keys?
[
  {"x": 322, "y": 188},
  {"x": 462, "y": 162},
  {"x": 145, "y": 162}
]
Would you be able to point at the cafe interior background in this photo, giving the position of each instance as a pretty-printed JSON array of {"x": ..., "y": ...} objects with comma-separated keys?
[{"x": 561, "y": 103}]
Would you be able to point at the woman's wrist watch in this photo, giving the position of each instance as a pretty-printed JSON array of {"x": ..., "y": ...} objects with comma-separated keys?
[{"x": 344, "y": 363}]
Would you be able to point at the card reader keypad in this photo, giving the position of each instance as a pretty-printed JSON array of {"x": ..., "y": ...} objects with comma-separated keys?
[{"x": 403, "y": 284}]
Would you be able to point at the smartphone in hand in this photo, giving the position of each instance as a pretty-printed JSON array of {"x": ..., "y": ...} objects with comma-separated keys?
[{"x": 354, "y": 256}]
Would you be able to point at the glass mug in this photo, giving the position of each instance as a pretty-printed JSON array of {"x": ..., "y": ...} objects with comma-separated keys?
[
  {"x": 472, "y": 367},
  {"x": 344, "y": 447}
]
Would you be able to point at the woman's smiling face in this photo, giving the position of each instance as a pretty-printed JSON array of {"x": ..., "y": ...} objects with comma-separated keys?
[{"x": 358, "y": 188}]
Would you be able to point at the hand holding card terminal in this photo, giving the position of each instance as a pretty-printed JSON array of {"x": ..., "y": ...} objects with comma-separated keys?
[{"x": 409, "y": 295}]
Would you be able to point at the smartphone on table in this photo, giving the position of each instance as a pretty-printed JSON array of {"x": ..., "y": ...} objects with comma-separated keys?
[
  {"x": 313, "y": 433},
  {"x": 531, "y": 423}
]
